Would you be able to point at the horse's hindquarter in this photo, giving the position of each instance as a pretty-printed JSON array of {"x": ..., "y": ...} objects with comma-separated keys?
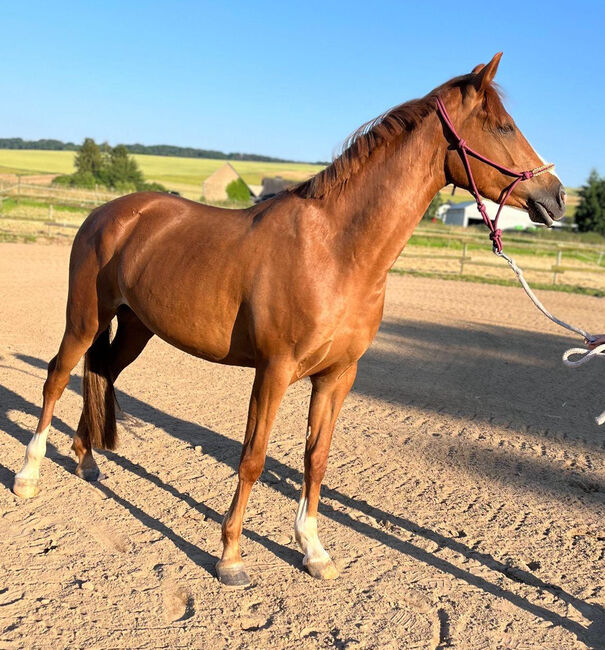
[{"x": 180, "y": 270}]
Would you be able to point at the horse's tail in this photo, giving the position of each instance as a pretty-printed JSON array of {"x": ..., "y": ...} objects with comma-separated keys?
[{"x": 99, "y": 415}]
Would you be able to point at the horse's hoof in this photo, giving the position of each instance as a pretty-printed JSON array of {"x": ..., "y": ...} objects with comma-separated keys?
[
  {"x": 90, "y": 474},
  {"x": 322, "y": 569},
  {"x": 26, "y": 488},
  {"x": 232, "y": 576}
]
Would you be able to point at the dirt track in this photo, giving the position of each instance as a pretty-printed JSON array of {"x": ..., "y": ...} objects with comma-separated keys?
[{"x": 464, "y": 500}]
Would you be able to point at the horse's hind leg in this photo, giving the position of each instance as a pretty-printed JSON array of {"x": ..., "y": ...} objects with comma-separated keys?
[
  {"x": 73, "y": 346},
  {"x": 327, "y": 397},
  {"x": 130, "y": 340}
]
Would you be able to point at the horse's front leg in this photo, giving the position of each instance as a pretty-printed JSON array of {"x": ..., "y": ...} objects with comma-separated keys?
[
  {"x": 270, "y": 384},
  {"x": 327, "y": 397}
]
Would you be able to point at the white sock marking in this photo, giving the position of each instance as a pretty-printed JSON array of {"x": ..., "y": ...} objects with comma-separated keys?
[
  {"x": 34, "y": 453},
  {"x": 305, "y": 529}
]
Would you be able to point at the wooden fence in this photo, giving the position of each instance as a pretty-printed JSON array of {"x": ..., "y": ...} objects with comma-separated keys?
[
  {"x": 45, "y": 219},
  {"x": 591, "y": 257},
  {"x": 64, "y": 195},
  {"x": 430, "y": 250}
]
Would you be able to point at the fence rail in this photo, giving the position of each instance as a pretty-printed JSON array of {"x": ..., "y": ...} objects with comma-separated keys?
[
  {"x": 66, "y": 195},
  {"x": 510, "y": 237},
  {"x": 591, "y": 257},
  {"x": 556, "y": 269}
]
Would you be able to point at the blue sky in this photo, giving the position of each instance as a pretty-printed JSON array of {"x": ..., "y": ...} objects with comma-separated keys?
[{"x": 294, "y": 79}]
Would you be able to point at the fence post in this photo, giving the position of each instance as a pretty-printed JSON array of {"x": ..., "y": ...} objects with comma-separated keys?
[
  {"x": 463, "y": 257},
  {"x": 600, "y": 258},
  {"x": 558, "y": 263},
  {"x": 50, "y": 212}
]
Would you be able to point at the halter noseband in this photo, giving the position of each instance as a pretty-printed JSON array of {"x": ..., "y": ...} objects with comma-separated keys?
[{"x": 465, "y": 151}]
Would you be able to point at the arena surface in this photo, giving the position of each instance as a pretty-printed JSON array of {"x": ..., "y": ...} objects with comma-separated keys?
[{"x": 464, "y": 499}]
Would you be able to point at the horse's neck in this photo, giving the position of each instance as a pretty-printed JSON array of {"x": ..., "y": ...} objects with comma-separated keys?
[{"x": 382, "y": 204}]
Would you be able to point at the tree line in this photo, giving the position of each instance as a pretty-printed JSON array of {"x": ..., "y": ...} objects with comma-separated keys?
[
  {"x": 152, "y": 150},
  {"x": 44, "y": 144}
]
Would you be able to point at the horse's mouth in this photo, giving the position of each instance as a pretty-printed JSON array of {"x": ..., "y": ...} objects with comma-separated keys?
[{"x": 539, "y": 213}]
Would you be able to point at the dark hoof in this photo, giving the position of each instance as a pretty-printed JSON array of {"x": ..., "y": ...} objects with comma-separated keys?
[
  {"x": 89, "y": 474},
  {"x": 322, "y": 570},
  {"x": 232, "y": 576}
]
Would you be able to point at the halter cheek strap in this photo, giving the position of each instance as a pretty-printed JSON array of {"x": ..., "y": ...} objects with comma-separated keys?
[{"x": 465, "y": 151}]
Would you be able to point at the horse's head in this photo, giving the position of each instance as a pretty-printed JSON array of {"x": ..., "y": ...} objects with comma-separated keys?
[{"x": 480, "y": 118}]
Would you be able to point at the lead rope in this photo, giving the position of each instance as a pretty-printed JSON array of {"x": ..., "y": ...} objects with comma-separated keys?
[
  {"x": 495, "y": 234},
  {"x": 585, "y": 355}
]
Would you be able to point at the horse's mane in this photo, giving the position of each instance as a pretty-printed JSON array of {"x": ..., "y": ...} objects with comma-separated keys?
[{"x": 385, "y": 129}]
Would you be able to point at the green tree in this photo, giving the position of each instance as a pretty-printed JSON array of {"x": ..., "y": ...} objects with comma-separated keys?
[
  {"x": 103, "y": 165},
  {"x": 431, "y": 211},
  {"x": 121, "y": 170},
  {"x": 238, "y": 191},
  {"x": 590, "y": 213},
  {"x": 89, "y": 158}
]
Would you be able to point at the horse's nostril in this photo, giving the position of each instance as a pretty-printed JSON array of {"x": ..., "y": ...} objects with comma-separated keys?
[{"x": 562, "y": 195}]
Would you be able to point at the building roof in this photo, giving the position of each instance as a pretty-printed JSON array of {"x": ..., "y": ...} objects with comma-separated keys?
[
  {"x": 214, "y": 188},
  {"x": 272, "y": 186}
]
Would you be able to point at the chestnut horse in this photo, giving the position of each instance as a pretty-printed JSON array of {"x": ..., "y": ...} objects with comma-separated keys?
[{"x": 293, "y": 287}]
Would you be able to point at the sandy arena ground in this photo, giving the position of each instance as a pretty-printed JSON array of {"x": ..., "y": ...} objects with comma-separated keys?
[{"x": 464, "y": 500}]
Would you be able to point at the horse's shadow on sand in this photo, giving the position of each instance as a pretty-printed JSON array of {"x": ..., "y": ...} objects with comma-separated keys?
[
  {"x": 486, "y": 374},
  {"x": 199, "y": 556},
  {"x": 227, "y": 451}
]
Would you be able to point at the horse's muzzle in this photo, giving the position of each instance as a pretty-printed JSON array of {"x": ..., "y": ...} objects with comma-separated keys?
[{"x": 546, "y": 206}]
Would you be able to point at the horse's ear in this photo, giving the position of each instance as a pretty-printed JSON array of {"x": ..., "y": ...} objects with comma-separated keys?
[{"x": 484, "y": 74}]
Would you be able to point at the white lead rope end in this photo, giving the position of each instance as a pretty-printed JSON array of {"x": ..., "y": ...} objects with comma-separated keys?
[{"x": 585, "y": 355}]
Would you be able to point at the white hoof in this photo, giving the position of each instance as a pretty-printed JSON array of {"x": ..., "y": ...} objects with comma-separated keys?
[
  {"x": 26, "y": 488},
  {"x": 321, "y": 569}
]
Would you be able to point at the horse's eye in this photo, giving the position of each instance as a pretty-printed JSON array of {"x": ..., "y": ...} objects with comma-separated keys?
[{"x": 505, "y": 129}]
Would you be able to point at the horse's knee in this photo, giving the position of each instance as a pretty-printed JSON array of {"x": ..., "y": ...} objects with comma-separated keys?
[{"x": 52, "y": 364}]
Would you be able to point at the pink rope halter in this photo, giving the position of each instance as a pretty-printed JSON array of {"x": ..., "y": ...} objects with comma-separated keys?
[{"x": 465, "y": 151}]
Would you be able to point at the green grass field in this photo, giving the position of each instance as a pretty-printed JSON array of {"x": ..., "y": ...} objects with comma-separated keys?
[
  {"x": 182, "y": 174},
  {"x": 185, "y": 175}
]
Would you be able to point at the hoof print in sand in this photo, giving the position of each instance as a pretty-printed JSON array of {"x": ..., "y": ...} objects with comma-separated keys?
[{"x": 178, "y": 603}]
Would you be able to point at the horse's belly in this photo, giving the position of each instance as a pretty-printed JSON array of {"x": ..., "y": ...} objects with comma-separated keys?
[
  {"x": 203, "y": 335},
  {"x": 200, "y": 317}
]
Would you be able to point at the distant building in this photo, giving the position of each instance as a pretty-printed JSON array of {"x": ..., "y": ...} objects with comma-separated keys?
[
  {"x": 466, "y": 214},
  {"x": 214, "y": 188},
  {"x": 272, "y": 186}
]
